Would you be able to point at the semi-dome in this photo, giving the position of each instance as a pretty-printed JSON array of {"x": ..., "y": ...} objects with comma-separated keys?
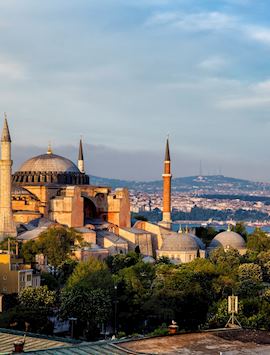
[
  {"x": 49, "y": 162},
  {"x": 228, "y": 239},
  {"x": 179, "y": 242},
  {"x": 20, "y": 191},
  {"x": 50, "y": 168}
]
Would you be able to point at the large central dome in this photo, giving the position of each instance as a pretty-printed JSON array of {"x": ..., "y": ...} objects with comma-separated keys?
[
  {"x": 49, "y": 163},
  {"x": 50, "y": 169}
]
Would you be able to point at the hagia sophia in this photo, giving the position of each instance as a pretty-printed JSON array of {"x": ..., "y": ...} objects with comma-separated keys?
[{"x": 52, "y": 190}]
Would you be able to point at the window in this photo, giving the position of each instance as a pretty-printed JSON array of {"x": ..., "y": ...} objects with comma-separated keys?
[
  {"x": 5, "y": 277},
  {"x": 28, "y": 278},
  {"x": 4, "y": 289}
]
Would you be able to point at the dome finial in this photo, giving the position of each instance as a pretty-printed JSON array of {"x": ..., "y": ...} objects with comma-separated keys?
[
  {"x": 49, "y": 151},
  {"x": 187, "y": 229},
  {"x": 180, "y": 231},
  {"x": 229, "y": 228}
]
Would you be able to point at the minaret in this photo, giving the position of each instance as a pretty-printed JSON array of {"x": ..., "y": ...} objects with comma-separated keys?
[
  {"x": 167, "y": 177},
  {"x": 80, "y": 158},
  {"x": 7, "y": 224}
]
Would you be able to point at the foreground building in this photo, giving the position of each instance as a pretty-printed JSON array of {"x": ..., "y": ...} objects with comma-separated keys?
[{"x": 15, "y": 275}]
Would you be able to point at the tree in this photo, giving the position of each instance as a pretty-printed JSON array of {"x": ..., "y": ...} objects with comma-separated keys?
[
  {"x": 37, "y": 298},
  {"x": 121, "y": 261},
  {"x": 258, "y": 241},
  {"x": 29, "y": 250},
  {"x": 56, "y": 243},
  {"x": 240, "y": 229},
  {"x": 92, "y": 272},
  {"x": 164, "y": 260},
  {"x": 250, "y": 272},
  {"x": 91, "y": 307}
]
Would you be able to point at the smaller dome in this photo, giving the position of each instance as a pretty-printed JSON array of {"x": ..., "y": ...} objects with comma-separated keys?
[
  {"x": 228, "y": 239},
  {"x": 178, "y": 242}
]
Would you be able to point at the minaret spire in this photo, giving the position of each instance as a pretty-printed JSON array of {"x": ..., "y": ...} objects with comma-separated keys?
[
  {"x": 167, "y": 177},
  {"x": 7, "y": 224},
  {"x": 5, "y": 133},
  {"x": 80, "y": 158},
  {"x": 167, "y": 151}
]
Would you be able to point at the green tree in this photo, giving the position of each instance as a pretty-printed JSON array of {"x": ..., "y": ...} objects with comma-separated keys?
[
  {"x": 37, "y": 298},
  {"x": 258, "y": 241},
  {"x": 56, "y": 243},
  {"x": 93, "y": 272},
  {"x": 29, "y": 250},
  {"x": 91, "y": 307},
  {"x": 121, "y": 261},
  {"x": 252, "y": 272},
  {"x": 240, "y": 229}
]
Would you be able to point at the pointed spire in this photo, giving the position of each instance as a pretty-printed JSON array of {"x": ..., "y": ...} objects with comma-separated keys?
[
  {"x": 187, "y": 231},
  {"x": 49, "y": 151},
  {"x": 167, "y": 151},
  {"x": 80, "y": 157},
  {"x": 5, "y": 133},
  {"x": 180, "y": 231}
]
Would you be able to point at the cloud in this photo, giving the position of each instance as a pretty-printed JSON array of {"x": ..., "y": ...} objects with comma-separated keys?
[
  {"x": 194, "y": 22},
  {"x": 214, "y": 63},
  {"x": 259, "y": 34},
  {"x": 11, "y": 70},
  {"x": 215, "y": 21},
  {"x": 252, "y": 96}
]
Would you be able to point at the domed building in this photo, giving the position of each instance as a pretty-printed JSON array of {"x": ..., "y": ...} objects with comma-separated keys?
[
  {"x": 50, "y": 168},
  {"x": 181, "y": 247},
  {"x": 53, "y": 187},
  {"x": 228, "y": 240}
]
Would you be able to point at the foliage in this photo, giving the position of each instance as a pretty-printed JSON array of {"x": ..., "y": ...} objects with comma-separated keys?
[
  {"x": 37, "y": 298},
  {"x": 240, "y": 229},
  {"x": 121, "y": 261},
  {"x": 93, "y": 272},
  {"x": 164, "y": 260},
  {"x": 251, "y": 271},
  {"x": 90, "y": 306},
  {"x": 29, "y": 250},
  {"x": 56, "y": 243},
  {"x": 49, "y": 280},
  {"x": 20, "y": 317},
  {"x": 258, "y": 241}
]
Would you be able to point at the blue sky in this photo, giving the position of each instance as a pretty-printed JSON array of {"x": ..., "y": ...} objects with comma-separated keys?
[{"x": 125, "y": 73}]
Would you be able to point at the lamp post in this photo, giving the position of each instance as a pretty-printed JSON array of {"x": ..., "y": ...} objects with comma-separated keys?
[
  {"x": 72, "y": 320},
  {"x": 115, "y": 309}
]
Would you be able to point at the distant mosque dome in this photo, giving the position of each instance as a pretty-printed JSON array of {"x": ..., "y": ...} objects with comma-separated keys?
[
  {"x": 228, "y": 239},
  {"x": 50, "y": 168},
  {"x": 179, "y": 242}
]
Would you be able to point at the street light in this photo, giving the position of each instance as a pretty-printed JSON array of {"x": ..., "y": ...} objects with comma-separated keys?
[
  {"x": 72, "y": 320},
  {"x": 115, "y": 309}
]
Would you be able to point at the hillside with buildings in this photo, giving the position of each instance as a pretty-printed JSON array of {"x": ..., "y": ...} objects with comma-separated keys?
[{"x": 196, "y": 184}]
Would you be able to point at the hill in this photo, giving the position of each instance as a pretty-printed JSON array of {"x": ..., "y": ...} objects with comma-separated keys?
[{"x": 200, "y": 184}]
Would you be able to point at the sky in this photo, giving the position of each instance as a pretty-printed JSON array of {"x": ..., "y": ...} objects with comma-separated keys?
[{"x": 125, "y": 73}]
